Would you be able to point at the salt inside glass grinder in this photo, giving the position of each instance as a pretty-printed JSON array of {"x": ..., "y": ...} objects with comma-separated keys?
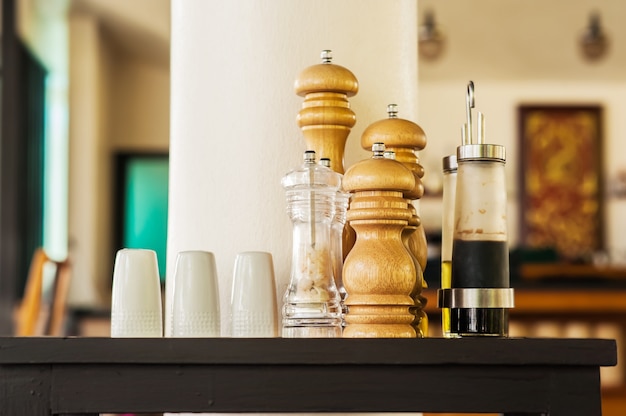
[{"x": 480, "y": 293}]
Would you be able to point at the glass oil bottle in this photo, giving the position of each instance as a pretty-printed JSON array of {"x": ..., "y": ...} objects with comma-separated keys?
[
  {"x": 480, "y": 293},
  {"x": 447, "y": 232}
]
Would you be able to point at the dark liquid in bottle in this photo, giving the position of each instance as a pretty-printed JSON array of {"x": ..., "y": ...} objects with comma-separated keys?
[
  {"x": 480, "y": 321},
  {"x": 480, "y": 264},
  {"x": 477, "y": 264}
]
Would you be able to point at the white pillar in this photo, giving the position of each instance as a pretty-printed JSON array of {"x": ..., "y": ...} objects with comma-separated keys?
[{"x": 233, "y": 112}]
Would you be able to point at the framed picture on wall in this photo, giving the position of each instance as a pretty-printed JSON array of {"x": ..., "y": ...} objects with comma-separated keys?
[{"x": 561, "y": 179}]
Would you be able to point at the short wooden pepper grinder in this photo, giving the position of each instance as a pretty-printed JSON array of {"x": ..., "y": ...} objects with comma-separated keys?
[
  {"x": 379, "y": 274},
  {"x": 404, "y": 138},
  {"x": 326, "y": 117}
]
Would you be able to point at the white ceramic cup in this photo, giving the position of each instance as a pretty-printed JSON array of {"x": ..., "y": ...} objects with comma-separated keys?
[
  {"x": 195, "y": 303},
  {"x": 136, "y": 309},
  {"x": 253, "y": 298}
]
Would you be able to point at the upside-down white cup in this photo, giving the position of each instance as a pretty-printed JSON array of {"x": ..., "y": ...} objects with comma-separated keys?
[
  {"x": 136, "y": 309},
  {"x": 195, "y": 304},
  {"x": 253, "y": 298}
]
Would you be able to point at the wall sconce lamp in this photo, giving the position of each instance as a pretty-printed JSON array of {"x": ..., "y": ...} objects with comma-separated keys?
[
  {"x": 431, "y": 40},
  {"x": 594, "y": 43}
]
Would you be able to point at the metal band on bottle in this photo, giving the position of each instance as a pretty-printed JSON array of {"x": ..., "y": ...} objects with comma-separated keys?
[
  {"x": 481, "y": 152},
  {"x": 476, "y": 298}
]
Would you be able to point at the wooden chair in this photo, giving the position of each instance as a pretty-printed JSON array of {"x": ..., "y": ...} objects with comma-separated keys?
[{"x": 43, "y": 313}]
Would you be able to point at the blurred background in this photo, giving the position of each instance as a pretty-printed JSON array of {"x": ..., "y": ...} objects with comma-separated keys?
[{"x": 84, "y": 163}]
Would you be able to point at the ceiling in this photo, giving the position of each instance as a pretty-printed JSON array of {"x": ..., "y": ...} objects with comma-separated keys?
[
  {"x": 494, "y": 39},
  {"x": 524, "y": 39},
  {"x": 137, "y": 27}
]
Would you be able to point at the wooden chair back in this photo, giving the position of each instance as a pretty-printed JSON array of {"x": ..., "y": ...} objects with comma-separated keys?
[{"x": 42, "y": 310}]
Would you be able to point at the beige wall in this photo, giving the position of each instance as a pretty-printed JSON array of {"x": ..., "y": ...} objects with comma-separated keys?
[
  {"x": 139, "y": 110},
  {"x": 87, "y": 168},
  {"x": 117, "y": 102}
]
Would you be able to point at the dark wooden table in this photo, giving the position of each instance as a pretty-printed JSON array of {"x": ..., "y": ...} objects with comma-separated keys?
[{"x": 557, "y": 377}]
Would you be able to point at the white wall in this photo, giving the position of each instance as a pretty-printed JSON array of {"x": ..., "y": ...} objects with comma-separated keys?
[
  {"x": 442, "y": 113},
  {"x": 233, "y": 112}
]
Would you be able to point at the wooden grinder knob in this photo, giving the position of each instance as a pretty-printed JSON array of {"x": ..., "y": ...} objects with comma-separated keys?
[
  {"x": 326, "y": 117},
  {"x": 379, "y": 274},
  {"x": 404, "y": 138}
]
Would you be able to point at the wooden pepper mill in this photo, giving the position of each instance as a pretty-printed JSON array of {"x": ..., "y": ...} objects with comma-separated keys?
[
  {"x": 404, "y": 138},
  {"x": 326, "y": 117},
  {"x": 379, "y": 274},
  {"x": 326, "y": 120}
]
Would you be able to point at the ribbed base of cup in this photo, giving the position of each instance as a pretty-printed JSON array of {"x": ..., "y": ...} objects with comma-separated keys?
[
  {"x": 196, "y": 325},
  {"x": 254, "y": 324},
  {"x": 136, "y": 324}
]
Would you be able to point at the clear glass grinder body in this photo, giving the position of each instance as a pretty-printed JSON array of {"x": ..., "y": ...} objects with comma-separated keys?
[{"x": 311, "y": 304}]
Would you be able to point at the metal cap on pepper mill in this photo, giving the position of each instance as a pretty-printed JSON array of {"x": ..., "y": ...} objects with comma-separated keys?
[{"x": 480, "y": 293}]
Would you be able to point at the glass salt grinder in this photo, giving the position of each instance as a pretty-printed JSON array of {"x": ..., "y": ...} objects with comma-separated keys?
[
  {"x": 447, "y": 231},
  {"x": 342, "y": 201},
  {"x": 480, "y": 293},
  {"x": 311, "y": 304}
]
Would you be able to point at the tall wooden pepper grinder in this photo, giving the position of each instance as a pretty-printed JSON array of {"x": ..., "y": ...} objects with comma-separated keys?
[
  {"x": 326, "y": 120},
  {"x": 326, "y": 117},
  {"x": 405, "y": 138},
  {"x": 379, "y": 274}
]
